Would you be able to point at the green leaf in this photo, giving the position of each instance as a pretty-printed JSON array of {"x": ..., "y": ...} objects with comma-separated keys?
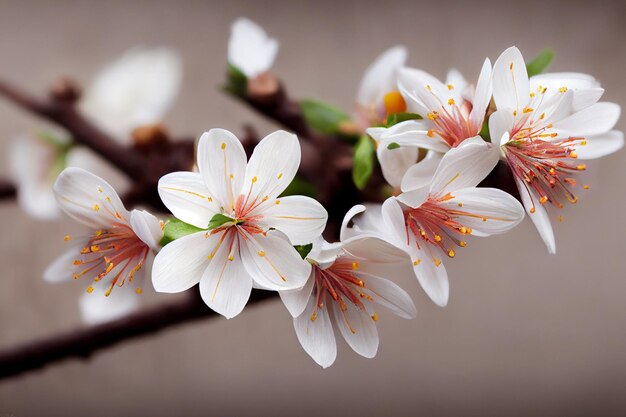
[
  {"x": 392, "y": 146},
  {"x": 217, "y": 220},
  {"x": 484, "y": 131},
  {"x": 540, "y": 63},
  {"x": 304, "y": 250},
  {"x": 394, "y": 119},
  {"x": 363, "y": 164},
  {"x": 175, "y": 229},
  {"x": 323, "y": 117},
  {"x": 300, "y": 186},
  {"x": 237, "y": 81}
]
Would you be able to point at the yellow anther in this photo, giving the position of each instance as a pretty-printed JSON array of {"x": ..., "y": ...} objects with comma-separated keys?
[
  {"x": 223, "y": 145},
  {"x": 108, "y": 199},
  {"x": 484, "y": 219},
  {"x": 231, "y": 258},
  {"x": 586, "y": 187},
  {"x": 210, "y": 199},
  {"x": 462, "y": 244},
  {"x": 469, "y": 231},
  {"x": 375, "y": 317},
  {"x": 581, "y": 167},
  {"x": 543, "y": 199},
  {"x": 511, "y": 66},
  {"x": 261, "y": 253},
  {"x": 77, "y": 262},
  {"x": 277, "y": 201},
  {"x": 355, "y": 265},
  {"x": 279, "y": 176},
  {"x": 416, "y": 262},
  {"x": 210, "y": 256},
  {"x": 430, "y": 133},
  {"x": 543, "y": 115},
  {"x": 138, "y": 290},
  {"x": 437, "y": 238},
  {"x": 528, "y": 110},
  {"x": 313, "y": 316},
  {"x": 532, "y": 210},
  {"x": 450, "y": 87},
  {"x": 94, "y": 248},
  {"x": 552, "y": 171},
  {"x": 451, "y": 102},
  {"x": 583, "y": 143},
  {"x": 573, "y": 154},
  {"x": 561, "y": 218},
  {"x": 451, "y": 253},
  {"x": 437, "y": 262},
  {"x": 67, "y": 238},
  {"x": 460, "y": 204},
  {"x": 544, "y": 90},
  {"x": 394, "y": 103},
  {"x": 563, "y": 89},
  {"x": 514, "y": 112},
  {"x": 432, "y": 115},
  {"x": 254, "y": 179},
  {"x": 428, "y": 87},
  {"x": 90, "y": 289},
  {"x": 265, "y": 198},
  {"x": 532, "y": 95},
  {"x": 232, "y": 176},
  {"x": 96, "y": 207}
]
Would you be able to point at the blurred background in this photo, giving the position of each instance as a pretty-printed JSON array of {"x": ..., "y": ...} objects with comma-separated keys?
[{"x": 525, "y": 333}]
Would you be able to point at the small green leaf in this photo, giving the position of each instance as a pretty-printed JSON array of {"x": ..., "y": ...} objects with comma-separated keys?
[
  {"x": 394, "y": 119},
  {"x": 392, "y": 146},
  {"x": 304, "y": 250},
  {"x": 300, "y": 186},
  {"x": 237, "y": 81},
  {"x": 175, "y": 229},
  {"x": 323, "y": 117},
  {"x": 363, "y": 164},
  {"x": 484, "y": 131},
  {"x": 217, "y": 220},
  {"x": 540, "y": 63}
]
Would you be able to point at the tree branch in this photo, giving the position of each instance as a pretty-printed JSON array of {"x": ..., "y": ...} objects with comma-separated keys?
[{"x": 7, "y": 189}]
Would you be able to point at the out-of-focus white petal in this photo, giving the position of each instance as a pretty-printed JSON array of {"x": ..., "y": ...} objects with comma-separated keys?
[
  {"x": 89, "y": 199},
  {"x": 358, "y": 328},
  {"x": 96, "y": 308},
  {"x": 186, "y": 195},
  {"x": 380, "y": 76},
  {"x": 272, "y": 166},
  {"x": 222, "y": 165},
  {"x": 302, "y": 219},
  {"x": 539, "y": 217},
  {"x": 297, "y": 300},
  {"x": 601, "y": 145},
  {"x": 250, "y": 49},
  {"x": 181, "y": 263},
  {"x": 147, "y": 228},
  {"x": 510, "y": 80},
  {"x": 316, "y": 336}
]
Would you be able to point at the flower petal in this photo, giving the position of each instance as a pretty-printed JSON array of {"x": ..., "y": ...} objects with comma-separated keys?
[
  {"x": 422, "y": 90},
  {"x": 89, "y": 199},
  {"x": 358, "y": 328},
  {"x": 302, "y": 219},
  {"x": 316, "y": 336},
  {"x": 186, "y": 195},
  {"x": 297, "y": 300},
  {"x": 273, "y": 165},
  {"x": 250, "y": 49},
  {"x": 395, "y": 162},
  {"x": 96, "y": 308},
  {"x": 601, "y": 145},
  {"x": 147, "y": 228},
  {"x": 421, "y": 174},
  {"x": 388, "y": 294},
  {"x": 482, "y": 97},
  {"x": 501, "y": 122},
  {"x": 346, "y": 231},
  {"x": 63, "y": 268},
  {"x": 380, "y": 76},
  {"x": 222, "y": 165},
  {"x": 599, "y": 118},
  {"x": 181, "y": 263},
  {"x": 430, "y": 271},
  {"x": 510, "y": 80},
  {"x": 539, "y": 217},
  {"x": 273, "y": 262}
]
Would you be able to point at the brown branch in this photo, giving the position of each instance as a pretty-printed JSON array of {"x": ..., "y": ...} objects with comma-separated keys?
[
  {"x": 7, "y": 189},
  {"x": 83, "y": 343}
]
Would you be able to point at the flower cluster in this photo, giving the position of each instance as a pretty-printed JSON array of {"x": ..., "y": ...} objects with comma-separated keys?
[{"x": 237, "y": 228}]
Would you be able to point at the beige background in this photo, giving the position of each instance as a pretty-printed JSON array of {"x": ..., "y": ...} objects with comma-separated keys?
[{"x": 525, "y": 333}]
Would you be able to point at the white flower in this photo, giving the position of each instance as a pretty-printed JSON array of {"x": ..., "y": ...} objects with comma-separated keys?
[
  {"x": 250, "y": 49},
  {"x": 254, "y": 243},
  {"x": 454, "y": 111},
  {"x": 544, "y": 126},
  {"x": 136, "y": 89},
  {"x": 429, "y": 223},
  {"x": 117, "y": 252},
  {"x": 346, "y": 286}
]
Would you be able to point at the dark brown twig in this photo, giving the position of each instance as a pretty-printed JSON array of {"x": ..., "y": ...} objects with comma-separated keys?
[{"x": 7, "y": 189}]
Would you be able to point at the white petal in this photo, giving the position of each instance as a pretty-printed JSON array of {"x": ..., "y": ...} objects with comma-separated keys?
[
  {"x": 482, "y": 97},
  {"x": 225, "y": 286},
  {"x": 539, "y": 218},
  {"x": 380, "y": 76},
  {"x": 186, "y": 195},
  {"x": 63, "y": 268},
  {"x": 464, "y": 166},
  {"x": 297, "y": 300},
  {"x": 96, "y": 308},
  {"x": 250, "y": 49},
  {"x": 422, "y": 90},
  {"x": 273, "y": 165},
  {"x": 81, "y": 157},
  {"x": 373, "y": 250},
  {"x": 432, "y": 277},
  {"x": 601, "y": 145},
  {"x": 586, "y": 88},
  {"x": 393, "y": 222},
  {"x": 416, "y": 139},
  {"x": 599, "y": 118},
  {"x": 395, "y": 162},
  {"x": 273, "y": 262},
  {"x": 316, "y": 336},
  {"x": 421, "y": 174},
  {"x": 500, "y": 211},
  {"x": 222, "y": 165},
  {"x": 89, "y": 199},
  {"x": 147, "y": 228},
  {"x": 346, "y": 231},
  {"x": 510, "y": 80},
  {"x": 181, "y": 263},
  {"x": 456, "y": 79},
  {"x": 134, "y": 90},
  {"x": 414, "y": 198},
  {"x": 358, "y": 328},
  {"x": 500, "y": 122},
  {"x": 388, "y": 294},
  {"x": 302, "y": 219},
  {"x": 324, "y": 253}
]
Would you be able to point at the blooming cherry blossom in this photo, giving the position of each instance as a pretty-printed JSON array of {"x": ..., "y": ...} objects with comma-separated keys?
[
  {"x": 250, "y": 49},
  {"x": 346, "y": 287},
  {"x": 545, "y": 125},
  {"x": 430, "y": 223},
  {"x": 253, "y": 229},
  {"x": 116, "y": 253}
]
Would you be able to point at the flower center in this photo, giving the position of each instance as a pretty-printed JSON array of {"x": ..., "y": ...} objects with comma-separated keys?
[{"x": 452, "y": 120}]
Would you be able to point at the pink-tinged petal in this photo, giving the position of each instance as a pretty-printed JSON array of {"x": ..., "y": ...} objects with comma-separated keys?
[
  {"x": 482, "y": 97},
  {"x": 273, "y": 262},
  {"x": 594, "y": 120},
  {"x": 89, "y": 199},
  {"x": 225, "y": 286},
  {"x": 395, "y": 162},
  {"x": 181, "y": 263},
  {"x": 316, "y": 336},
  {"x": 387, "y": 294},
  {"x": 222, "y": 165},
  {"x": 500, "y": 123},
  {"x": 302, "y": 219},
  {"x": 96, "y": 308},
  {"x": 380, "y": 76},
  {"x": 63, "y": 268},
  {"x": 296, "y": 301},
  {"x": 250, "y": 49},
  {"x": 601, "y": 145},
  {"x": 186, "y": 195},
  {"x": 358, "y": 329},
  {"x": 147, "y": 228},
  {"x": 421, "y": 174},
  {"x": 510, "y": 80},
  {"x": 464, "y": 166},
  {"x": 489, "y": 211},
  {"x": 538, "y": 215},
  {"x": 272, "y": 166}
]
